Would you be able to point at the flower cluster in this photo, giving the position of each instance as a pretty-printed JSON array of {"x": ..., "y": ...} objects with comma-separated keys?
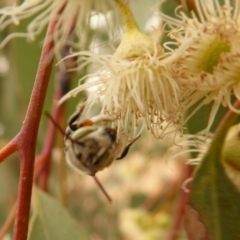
[
  {"x": 207, "y": 59},
  {"x": 140, "y": 84},
  {"x": 73, "y": 20},
  {"x": 134, "y": 85}
]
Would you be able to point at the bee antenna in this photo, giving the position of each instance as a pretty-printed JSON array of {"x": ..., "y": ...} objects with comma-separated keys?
[
  {"x": 55, "y": 123},
  {"x": 67, "y": 135}
]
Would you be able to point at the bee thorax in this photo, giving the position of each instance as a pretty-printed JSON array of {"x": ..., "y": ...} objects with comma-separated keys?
[{"x": 93, "y": 150}]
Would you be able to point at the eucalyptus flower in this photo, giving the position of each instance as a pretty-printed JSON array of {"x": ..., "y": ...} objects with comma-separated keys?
[
  {"x": 72, "y": 16},
  {"x": 207, "y": 58},
  {"x": 134, "y": 85}
]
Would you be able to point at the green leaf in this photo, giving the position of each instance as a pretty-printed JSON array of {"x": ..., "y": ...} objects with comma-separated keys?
[
  {"x": 213, "y": 195},
  {"x": 199, "y": 120},
  {"x": 50, "y": 221}
]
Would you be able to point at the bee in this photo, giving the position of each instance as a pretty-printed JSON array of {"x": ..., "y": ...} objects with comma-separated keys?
[{"x": 91, "y": 148}]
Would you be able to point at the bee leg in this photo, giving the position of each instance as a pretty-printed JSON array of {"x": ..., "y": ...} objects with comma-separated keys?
[
  {"x": 72, "y": 120},
  {"x": 73, "y": 123},
  {"x": 75, "y": 116},
  {"x": 126, "y": 149}
]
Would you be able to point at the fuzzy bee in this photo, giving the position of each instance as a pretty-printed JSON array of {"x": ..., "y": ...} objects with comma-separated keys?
[{"x": 91, "y": 148}]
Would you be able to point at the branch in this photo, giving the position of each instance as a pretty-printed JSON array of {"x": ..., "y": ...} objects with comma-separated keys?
[
  {"x": 179, "y": 214},
  {"x": 63, "y": 79},
  {"x": 27, "y": 137},
  {"x": 7, "y": 150}
]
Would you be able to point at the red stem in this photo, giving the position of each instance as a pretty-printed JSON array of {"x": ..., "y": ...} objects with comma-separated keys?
[
  {"x": 178, "y": 216},
  {"x": 44, "y": 159},
  {"x": 62, "y": 82},
  {"x": 26, "y": 139},
  {"x": 7, "y": 150}
]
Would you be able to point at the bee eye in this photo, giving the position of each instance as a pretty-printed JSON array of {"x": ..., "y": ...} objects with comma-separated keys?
[
  {"x": 79, "y": 156},
  {"x": 111, "y": 133},
  {"x": 73, "y": 126}
]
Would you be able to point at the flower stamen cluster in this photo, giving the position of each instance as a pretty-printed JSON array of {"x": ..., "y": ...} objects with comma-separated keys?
[
  {"x": 72, "y": 17},
  {"x": 134, "y": 85},
  {"x": 207, "y": 59}
]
